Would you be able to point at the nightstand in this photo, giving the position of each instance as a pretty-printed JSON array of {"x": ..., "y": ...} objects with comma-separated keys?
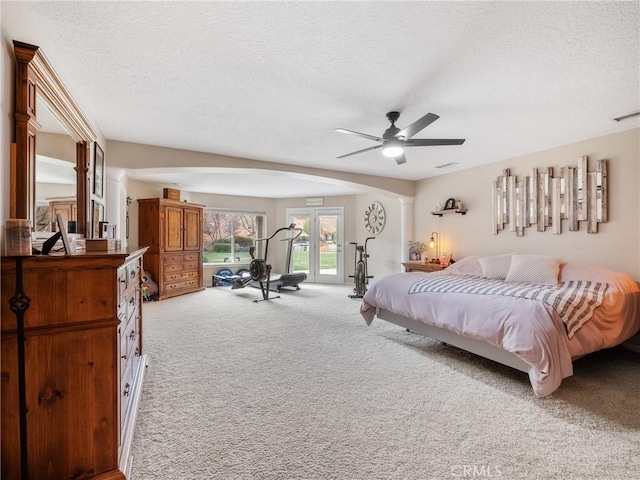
[{"x": 421, "y": 267}]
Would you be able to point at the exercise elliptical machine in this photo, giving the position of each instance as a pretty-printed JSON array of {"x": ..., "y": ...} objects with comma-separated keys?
[{"x": 360, "y": 272}]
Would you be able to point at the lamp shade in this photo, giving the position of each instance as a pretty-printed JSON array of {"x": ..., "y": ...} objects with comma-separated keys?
[
  {"x": 434, "y": 243},
  {"x": 392, "y": 148}
]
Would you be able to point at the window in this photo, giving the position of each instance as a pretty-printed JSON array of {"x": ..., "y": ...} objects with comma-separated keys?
[{"x": 228, "y": 236}]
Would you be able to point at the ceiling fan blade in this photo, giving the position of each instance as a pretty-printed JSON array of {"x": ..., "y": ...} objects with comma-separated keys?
[
  {"x": 418, "y": 125},
  {"x": 431, "y": 142},
  {"x": 358, "y": 134},
  {"x": 400, "y": 159},
  {"x": 360, "y": 151}
]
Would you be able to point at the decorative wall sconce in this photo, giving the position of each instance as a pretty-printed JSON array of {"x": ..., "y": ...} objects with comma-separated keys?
[{"x": 542, "y": 199}]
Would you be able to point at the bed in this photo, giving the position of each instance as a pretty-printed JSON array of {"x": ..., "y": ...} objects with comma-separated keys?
[{"x": 533, "y": 313}]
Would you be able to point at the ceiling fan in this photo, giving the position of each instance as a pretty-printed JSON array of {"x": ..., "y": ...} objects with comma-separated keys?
[{"x": 394, "y": 140}]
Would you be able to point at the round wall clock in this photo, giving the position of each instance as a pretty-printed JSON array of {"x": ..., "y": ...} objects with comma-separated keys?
[{"x": 374, "y": 218}]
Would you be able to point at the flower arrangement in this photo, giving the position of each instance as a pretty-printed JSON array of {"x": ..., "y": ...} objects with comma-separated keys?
[
  {"x": 415, "y": 250},
  {"x": 418, "y": 246}
]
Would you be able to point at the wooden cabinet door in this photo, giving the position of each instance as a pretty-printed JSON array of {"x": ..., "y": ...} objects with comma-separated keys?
[
  {"x": 173, "y": 229},
  {"x": 192, "y": 228}
]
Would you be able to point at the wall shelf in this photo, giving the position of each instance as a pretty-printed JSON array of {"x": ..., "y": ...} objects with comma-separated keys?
[{"x": 462, "y": 211}]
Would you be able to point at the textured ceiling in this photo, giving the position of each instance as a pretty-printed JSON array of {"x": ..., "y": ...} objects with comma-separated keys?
[{"x": 272, "y": 80}]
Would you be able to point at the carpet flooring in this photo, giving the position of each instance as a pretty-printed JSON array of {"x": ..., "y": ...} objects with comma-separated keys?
[{"x": 300, "y": 388}]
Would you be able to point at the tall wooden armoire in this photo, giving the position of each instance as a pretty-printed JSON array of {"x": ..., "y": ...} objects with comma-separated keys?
[{"x": 173, "y": 232}]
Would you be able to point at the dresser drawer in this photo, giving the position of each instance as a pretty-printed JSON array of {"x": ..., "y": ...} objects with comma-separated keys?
[
  {"x": 173, "y": 258},
  {"x": 126, "y": 391},
  {"x": 133, "y": 274},
  {"x": 124, "y": 354},
  {"x": 130, "y": 304},
  {"x": 131, "y": 333},
  {"x": 122, "y": 311},
  {"x": 190, "y": 266},
  {"x": 172, "y": 267},
  {"x": 122, "y": 282},
  {"x": 173, "y": 277},
  {"x": 180, "y": 276},
  {"x": 191, "y": 257},
  {"x": 180, "y": 285}
]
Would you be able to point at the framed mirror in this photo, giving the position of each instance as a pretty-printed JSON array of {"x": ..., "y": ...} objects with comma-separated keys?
[
  {"x": 48, "y": 123},
  {"x": 55, "y": 171}
]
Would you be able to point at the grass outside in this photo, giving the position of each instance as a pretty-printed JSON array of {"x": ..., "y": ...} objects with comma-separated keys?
[
  {"x": 300, "y": 259},
  {"x": 328, "y": 260}
]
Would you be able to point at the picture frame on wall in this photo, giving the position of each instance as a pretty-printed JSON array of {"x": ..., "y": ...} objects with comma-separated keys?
[
  {"x": 98, "y": 170},
  {"x": 97, "y": 212},
  {"x": 450, "y": 204}
]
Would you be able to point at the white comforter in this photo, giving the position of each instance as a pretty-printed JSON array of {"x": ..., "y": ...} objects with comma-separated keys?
[{"x": 530, "y": 329}]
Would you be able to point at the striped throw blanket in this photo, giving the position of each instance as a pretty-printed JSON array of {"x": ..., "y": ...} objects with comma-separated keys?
[{"x": 574, "y": 301}]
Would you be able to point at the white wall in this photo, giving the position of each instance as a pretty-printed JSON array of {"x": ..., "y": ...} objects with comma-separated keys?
[{"x": 616, "y": 246}]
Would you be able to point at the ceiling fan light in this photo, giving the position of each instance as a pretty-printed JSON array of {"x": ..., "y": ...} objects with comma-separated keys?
[{"x": 393, "y": 148}]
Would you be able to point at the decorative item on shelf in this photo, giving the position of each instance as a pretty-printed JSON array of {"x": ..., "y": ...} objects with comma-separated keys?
[
  {"x": 450, "y": 204},
  {"x": 110, "y": 231},
  {"x": 434, "y": 242},
  {"x": 102, "y": 229},
  {"x": 17, "y": 237},
  {"x": 415, "y": 251},
  {"x": 97, "y": 210},
  {"x": 445, "y": 260},
  {"x": 62, "y": 228},
  {"x": 171, "y": 194},
  {"x": 102, "y": 245}
]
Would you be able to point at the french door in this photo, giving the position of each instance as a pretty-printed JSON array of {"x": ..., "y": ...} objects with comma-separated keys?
[{"x": 318, "y": 251}]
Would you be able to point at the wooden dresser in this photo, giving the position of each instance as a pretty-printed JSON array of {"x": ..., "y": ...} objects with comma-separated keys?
[
  {"x": 64, "y": 205},
  {"x": 84, "y": 365},
  {"x": 173, "y": 232}
]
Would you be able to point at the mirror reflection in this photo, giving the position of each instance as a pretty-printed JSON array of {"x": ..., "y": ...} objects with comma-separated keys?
[{"x": 55, "y": 189}]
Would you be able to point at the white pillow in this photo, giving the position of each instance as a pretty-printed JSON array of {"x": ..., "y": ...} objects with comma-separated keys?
[
  {"x": 534, "y": 269},
  {"x": 467, "y": 265},
  {"x": 496, "y": 266}
]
